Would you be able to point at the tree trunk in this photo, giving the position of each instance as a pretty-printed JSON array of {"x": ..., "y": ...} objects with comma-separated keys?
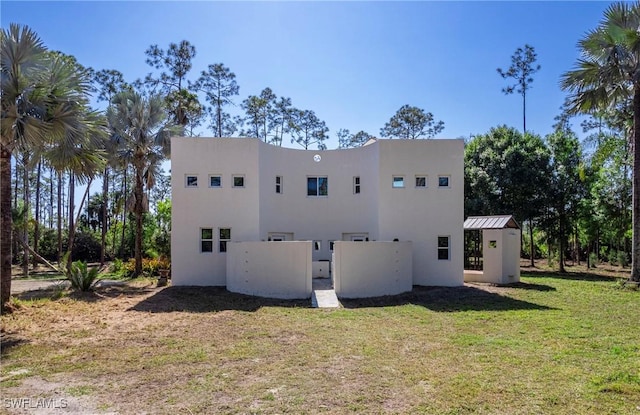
[
  {"x": 51, "y": 175},
  {"x": 5, "y": 226},
  {"x": 72, "y": 225},
  {"x": 36, "y": 233},
  {"x": 635, "y": 254},
  {"x": 533, "y": 250},
  {"x": 25, "y": 223},
  {"x": 124, "y": 212},
  {"x": 139, "y": 212},
  {"x": 105, "y": 194},
  {"x": 59, "y": 216}
]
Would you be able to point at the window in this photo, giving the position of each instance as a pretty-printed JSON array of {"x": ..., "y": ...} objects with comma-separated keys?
[
  {"x": 493, "y": 244},
  {"x": 191, "y": 180},
  {"x": 317, "y": 245},
  {"x": 225, "y": 236},
  {"x": 206, "y": 240},
  {"x": 443, "y": 181},
  {"x": 238, "y": 181},
  {"x": 356, "y": 185},
  {"x": 317, "y": 186},
  {"x": 421, "y": 181},
  {"x": 331, "y": 245},
  {"x": 215, "y": 181},
  {"x": 398, "y": 182},
  {"x": 278, "y": 184},
  {"x": 443, "y": 247}
]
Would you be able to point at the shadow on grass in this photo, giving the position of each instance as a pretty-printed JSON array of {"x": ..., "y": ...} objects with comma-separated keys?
[
  {"x": 98, "y": 294},
  {"x": 214, "y": 299},
  {"x": 8, "y": 342},
  {"x": 575, "y": 276},
  {"x": 447, "y": 299},
  {"x": 209, "y": 299}
]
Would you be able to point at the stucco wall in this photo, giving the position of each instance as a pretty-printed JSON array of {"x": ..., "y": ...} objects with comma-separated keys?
[
  {"x": 270, "y": 269},
  {"x": 371, "y": 269},
  {"x": 206, "y": 207},
  {"x": 422, "y": 214}
]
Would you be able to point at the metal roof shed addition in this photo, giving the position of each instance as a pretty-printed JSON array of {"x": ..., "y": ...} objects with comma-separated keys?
[{"x": 500, "y": 249}]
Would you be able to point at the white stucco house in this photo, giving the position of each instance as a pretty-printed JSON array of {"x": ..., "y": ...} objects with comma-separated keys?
[{"x": 264, "y": 220}]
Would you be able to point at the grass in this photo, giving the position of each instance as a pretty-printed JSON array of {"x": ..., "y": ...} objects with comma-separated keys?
[{"x": 562, "y": 344}]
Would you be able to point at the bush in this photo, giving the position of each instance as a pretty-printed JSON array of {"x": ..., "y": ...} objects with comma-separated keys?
[
  {"x": 81, "y": 277},
  {"x": 593, "y": 260},
  {"x": 622, "y": 259},
  {"x": 150, "y": 266},
  {"x": 86, "y": 247}
]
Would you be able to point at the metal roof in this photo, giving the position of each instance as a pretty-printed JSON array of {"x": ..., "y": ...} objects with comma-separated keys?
[{"x": 490, "y": 222}]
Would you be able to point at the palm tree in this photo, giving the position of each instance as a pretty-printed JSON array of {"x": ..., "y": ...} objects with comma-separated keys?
[
  {"x": 141, "y": 132},
  {"x": 44, "y": 110},
  {"x": 607, "y": 74}
]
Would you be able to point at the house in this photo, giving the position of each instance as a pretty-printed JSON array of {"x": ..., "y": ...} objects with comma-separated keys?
[{"x": 264, "y": 220}]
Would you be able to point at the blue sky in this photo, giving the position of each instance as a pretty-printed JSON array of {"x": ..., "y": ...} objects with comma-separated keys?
[{"x": 354, "y": 63}]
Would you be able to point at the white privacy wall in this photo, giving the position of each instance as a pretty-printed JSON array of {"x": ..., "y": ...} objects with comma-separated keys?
[
  {"x": 372, "y": 269},
  {"x": 270, "y": 269}
]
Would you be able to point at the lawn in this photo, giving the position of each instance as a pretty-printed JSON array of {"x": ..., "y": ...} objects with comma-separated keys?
[{"x": 554, "y": 344}]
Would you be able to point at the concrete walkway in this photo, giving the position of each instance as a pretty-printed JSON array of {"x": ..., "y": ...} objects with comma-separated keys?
[{"x": 323, "y": 295}]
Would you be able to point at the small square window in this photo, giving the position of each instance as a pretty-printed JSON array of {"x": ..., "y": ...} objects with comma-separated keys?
[
  {"x": 224, "y": 237},
  {"x": 493, "y": 244},
  {"x": 398, "y": 182},
  {"x": 421, "y": 181},
  {"x": 191, "y": 181},
  {"x": 215, "y": 181},
  {"x": 443, "y": 181},
  {"x": 278, "y": 184},
  {"x": 238, "y": 181},
  {"x": 356, "y": 185},
  {"x": 443, "y": 247},
  {"x": 206, "y": 240}
]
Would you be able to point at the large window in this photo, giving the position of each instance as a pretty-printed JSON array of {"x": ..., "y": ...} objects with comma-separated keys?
[
  {"x": 317, "y": 186},
  {"x": 356, "y": 185},
  {"x": 225, "y": 236},
  {"x": 398, "y": 182},
  {"x": 206, "y": 240},
  {"x": 443, "y": 247}
]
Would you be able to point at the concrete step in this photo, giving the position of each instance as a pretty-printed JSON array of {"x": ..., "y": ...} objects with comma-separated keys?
[{"x": 324, "y": 296}]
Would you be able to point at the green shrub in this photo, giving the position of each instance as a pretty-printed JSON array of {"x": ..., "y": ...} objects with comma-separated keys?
[
  {"x": 117, "y": 266},
  {"x": 81, "y": 277},
  {"x": 622, "y": 259},
  {"x": 593, "y": 260}
]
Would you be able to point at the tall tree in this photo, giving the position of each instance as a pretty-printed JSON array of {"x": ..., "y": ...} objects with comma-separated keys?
[
  {"x": 174, "y": 63},
  {"x": 309, "y": 129},
  {"x": 507, "y": 173},
  {"x": 411, "y": 123},
  {"x": 258, "y": 110},
  {"x": 521, "y": 70},
  {"x": 219, "y": 86},
  {"x": 608, "y": 73},
  {"x": 142, "y": 135},
  {"x": 281, "y": 119},
  {"x": 109, "y": 82},
  {"x": 565, "y": 189},
  {"x": 44, "y": 109},
  {"x": 348, "y": 140}
]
